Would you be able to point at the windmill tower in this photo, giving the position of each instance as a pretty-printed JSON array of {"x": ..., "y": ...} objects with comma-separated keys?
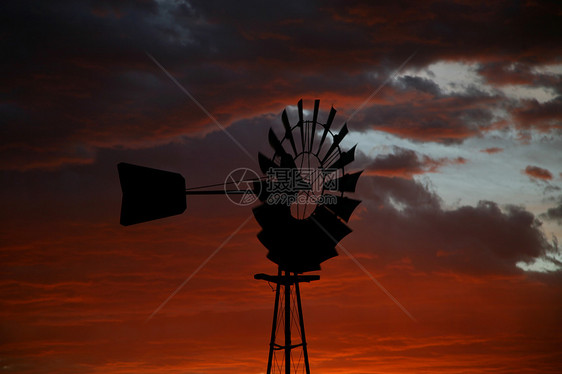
[{"x": 303, "y": 215}]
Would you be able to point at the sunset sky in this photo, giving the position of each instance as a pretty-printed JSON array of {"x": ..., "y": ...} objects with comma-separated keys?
[{"x": 456, "y": 110}]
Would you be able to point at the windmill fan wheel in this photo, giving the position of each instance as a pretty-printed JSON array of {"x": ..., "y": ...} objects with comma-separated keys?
[{"x": 304, "y": 211}]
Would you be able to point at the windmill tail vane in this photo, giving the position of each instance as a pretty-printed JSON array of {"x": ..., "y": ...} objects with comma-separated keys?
[{"x": 303, "y": 213}]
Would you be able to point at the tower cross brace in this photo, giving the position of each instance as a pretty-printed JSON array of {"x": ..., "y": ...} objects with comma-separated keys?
[{"x": 287, "y": 285}]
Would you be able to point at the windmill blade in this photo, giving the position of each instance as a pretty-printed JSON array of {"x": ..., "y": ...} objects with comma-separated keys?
[
  {"x": 288, "y": 132},
  {"x": 276, "y": 143},
  {"x": 149, "y": 194},
  {"x": 343, "y": 206},
  {"x": 301, "y": 124},
  {"x": 266, "y": 163},
  {"x": 300, "y": 257},
  {"x": 287, "y": 162},
  {"x": 314, "y": 119},
  {"x": 345, "y": 183},
  {"x": 272, "y": 216},
  {"x": 260, "y": 189},
  {"x": 280, "y": 251},
  {"x": 345, "y": 158},
  {"x": 327, "y": 128},
  {"x": 326, "y": 221},
  {"x": 337, "y": 140},
  {"x": 317, "y": 236},
  {"x": 299, "y": 105}
]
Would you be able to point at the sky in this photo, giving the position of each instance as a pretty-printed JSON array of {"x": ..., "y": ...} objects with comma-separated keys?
[{"x": 456, "y": 110}]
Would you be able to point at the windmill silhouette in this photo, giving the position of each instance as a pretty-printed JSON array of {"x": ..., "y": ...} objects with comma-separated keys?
[{"x": 303, "y": 215}]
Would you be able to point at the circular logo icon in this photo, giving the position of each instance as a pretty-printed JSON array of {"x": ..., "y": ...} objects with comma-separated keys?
[{"x": 239, "y": 186}]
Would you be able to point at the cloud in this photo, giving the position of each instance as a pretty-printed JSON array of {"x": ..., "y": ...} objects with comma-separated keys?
[
  {"x": 502, "y": 25},
  {"x": 419, "y": 84},
  {"x": 405, "y": 219},
  {"x": 543, "y": 116},
  {"x": 554, "y": 214},
  {"x": 447, "y": 119},
  {"x": 502, "y": 73},
  {"x": 406, "y": 163},
  {"x": 535, "y": 172},
  {"x": 95, "y": 91}
]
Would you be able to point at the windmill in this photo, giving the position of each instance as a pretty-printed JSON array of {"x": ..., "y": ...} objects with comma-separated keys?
[{"x": 303, "y": 215}]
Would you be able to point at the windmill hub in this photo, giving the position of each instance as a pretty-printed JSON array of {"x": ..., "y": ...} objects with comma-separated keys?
[{"x": 307, "y": 199}]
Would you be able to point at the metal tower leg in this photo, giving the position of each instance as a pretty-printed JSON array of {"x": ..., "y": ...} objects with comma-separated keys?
[
  {"x": 287, "y": 322},
  {"x": 301, "y": 322},
  {"x": 274, "y": 327}
]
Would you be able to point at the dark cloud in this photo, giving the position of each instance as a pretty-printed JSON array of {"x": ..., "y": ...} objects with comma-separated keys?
[
  {"x": 543, "y": 116},
  {"x": 420, "y": 84},
  {"x": 447, "y": 119},
  {"x": 79, "y": 79},
  {"x": 406, "y": 163},
  {"x": 505, "y": 73},
  {"x": 537, "y": 173},
  {"x": 462, "y": 31},
  {"x": 554, "y": 214},
  {"x": 404, "y": 219}
]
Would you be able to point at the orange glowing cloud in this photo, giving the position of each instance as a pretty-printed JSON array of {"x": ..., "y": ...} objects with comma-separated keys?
[{"x": 538, "y": 173}]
